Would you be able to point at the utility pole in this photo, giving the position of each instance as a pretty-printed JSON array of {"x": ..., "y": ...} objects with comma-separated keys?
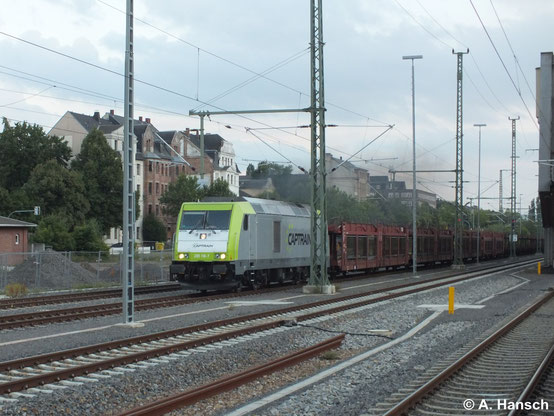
[
  {"x": 128, "y": 263},
  {"x": 513, "y": 196},
  {"x": 459, "y": 226},
  {"x": 318, "y": 281}
]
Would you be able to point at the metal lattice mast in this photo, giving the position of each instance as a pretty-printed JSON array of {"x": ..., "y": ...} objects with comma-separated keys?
[
  {"x": 318, "y": 270},
  {"x": 459, "y": 226},
  {"x": 128, "y": 261},
  {"x": 513, "y": 195}
]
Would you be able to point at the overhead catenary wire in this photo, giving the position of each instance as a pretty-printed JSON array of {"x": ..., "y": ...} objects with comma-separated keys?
[
  {"x": 146, "y": 83},
  {"x": 504, "y": 65}
]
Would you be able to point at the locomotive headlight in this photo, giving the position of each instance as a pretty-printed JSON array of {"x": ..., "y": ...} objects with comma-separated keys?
[
  {"x": 181, "y": 256},
  {"x": 222, "y": 256},
  {"x": 203, "y": 236}
]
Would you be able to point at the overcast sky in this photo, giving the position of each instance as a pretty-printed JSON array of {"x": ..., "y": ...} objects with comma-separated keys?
[{"x": 210, "y": 52}]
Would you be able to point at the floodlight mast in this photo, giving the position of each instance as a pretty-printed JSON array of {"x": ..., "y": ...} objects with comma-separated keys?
[
  {"x": 414, "y": 187},
  {"x": 479, "y": 193}
]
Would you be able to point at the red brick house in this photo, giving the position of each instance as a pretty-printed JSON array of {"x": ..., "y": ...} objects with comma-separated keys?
[{"x": 14, "y": 238}]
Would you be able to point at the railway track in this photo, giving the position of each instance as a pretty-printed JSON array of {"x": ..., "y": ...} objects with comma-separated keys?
[
  {"x": 489, "y": 378},
  {"x": 92, "y": 361},
  {"x": 224, "y": 384},
  {"x": 81, "y": 297},
  {"x": 69, "y": 314}
]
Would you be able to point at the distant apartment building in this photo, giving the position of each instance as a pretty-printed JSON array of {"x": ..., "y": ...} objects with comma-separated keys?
[
  {"x": 74, "y": 127},
  {"x": 223, "y": 157},
  {"x": 383, "y": 188},
  {"x": 160, "y": 157},
  {"x": 347, "y": 177}
]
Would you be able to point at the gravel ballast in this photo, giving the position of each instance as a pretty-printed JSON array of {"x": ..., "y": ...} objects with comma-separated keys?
[{"x": 352, "y": 391}]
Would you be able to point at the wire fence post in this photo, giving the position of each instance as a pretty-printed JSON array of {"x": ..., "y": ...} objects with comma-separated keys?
[{"x": 98, "y": 266}]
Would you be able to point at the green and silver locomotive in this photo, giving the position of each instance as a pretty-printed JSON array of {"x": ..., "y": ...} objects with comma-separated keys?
[{"x": 225, "y": 244}]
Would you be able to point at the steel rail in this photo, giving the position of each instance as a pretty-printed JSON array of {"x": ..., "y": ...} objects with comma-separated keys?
[
  {"x": 106, "y": 309},
  {"x": 54, "y": 376},
  {"x": 64, "y": 315},
  {"x": 411, "y": 400},
  {"x": 79, "y": 297},
  {"x": 233, "y": 381},
  {"x": 534, "y": 381}
]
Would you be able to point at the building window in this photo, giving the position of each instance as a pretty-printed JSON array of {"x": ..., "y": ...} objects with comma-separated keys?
[
  {"x": 138, "y": 168},
  {"x": 150, "y": 208},
  {"x": 149, "y": 166},
  {"x": 138, "y": 188},
  {"x": 157, "y": 210},
  {"x": 157, "y": 188},
  {"x": 138, "y": 232},
  {"x": 17, "y": 239},
  {"x": 157, "y": 167},
  {"x": 149, "y": 188}
]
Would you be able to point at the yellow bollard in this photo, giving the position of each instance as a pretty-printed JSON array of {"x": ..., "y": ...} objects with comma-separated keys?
[
  {"x": 539, "y": 268},
  {"x": 451, "y": 300}
]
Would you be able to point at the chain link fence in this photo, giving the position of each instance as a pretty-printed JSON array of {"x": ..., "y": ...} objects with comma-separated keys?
[{"x": 52, "y": 270}]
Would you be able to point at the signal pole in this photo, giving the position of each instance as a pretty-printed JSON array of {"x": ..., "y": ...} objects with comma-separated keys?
[
  {"x": 459, "y": 226},
  {"x": 513, "y": 195}
]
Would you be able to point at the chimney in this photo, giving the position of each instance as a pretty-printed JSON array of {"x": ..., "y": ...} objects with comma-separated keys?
[
  {"x": 112, "y": 112},
  {"x": 140, "y": 118},
  {"x": 96, "y": 115},
  {"x": 147, "y": 120}
]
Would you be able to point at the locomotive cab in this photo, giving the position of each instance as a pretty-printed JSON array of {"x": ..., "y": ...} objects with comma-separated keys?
[{"x": 202, "y": 258}]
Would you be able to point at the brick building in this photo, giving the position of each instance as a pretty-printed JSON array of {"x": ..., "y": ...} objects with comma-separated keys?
[{"x": 13, "y": 239}]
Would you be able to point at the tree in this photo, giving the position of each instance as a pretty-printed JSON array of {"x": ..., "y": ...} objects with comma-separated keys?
[
  {"x": 88, "y": 237},
  {"x": 58, "y": 191},
  {"x": 153, "y": 229},
  {"x": 184, "y": 189},
  {"x": 53, "y": 230},
  {"x": 24, "y": 146},
  {"x": 102, "y": 173},
  {"x": 267, "y": 169},
  {"x": 219, "y": 187}
]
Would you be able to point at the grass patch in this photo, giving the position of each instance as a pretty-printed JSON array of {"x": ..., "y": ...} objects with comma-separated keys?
[{"x": 15, "y": 290}]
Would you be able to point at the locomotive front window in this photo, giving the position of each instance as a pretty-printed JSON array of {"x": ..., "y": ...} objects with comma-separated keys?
[
  {"x": 218, "y": 220},
  {"x": 205, "y": 220},
  {"x": 192, "y": 220}
]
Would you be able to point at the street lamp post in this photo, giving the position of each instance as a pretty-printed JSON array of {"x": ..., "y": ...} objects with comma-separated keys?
[
  {"x": 479, "y": 194},
  {"x": 414, "y": 190}
]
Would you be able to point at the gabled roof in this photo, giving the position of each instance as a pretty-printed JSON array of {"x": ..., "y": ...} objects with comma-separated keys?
[
  {"x": 213, "y": 142},
  {"x": 10, "y": 222},
  {"x": 91, "y": 122},
  {"x": 346, "y": 165}
]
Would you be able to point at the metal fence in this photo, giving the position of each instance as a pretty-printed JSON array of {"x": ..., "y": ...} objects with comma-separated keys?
[{"x": 53, "y": 270}]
